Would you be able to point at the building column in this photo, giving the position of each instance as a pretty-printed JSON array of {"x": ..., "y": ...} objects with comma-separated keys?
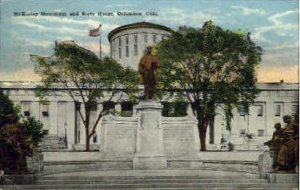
[
  {"x": 189, "y": 110},
  {"x": 35, "y": 110},
  {"x": 118, "y": 108},
  {"x": 53, "y": 125},
  {"x": 69, "y": 127},
  {"x": 134, "y": 112},
  {"x": 269, "y": 118}
]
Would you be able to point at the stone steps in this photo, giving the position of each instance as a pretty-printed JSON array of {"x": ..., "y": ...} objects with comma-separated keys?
[
  {"x": 154, "y": 179},
  {"x": 156, "y": 185},
  {"x": 149, "y": 181},
  {"x": 52, "y": 143}
]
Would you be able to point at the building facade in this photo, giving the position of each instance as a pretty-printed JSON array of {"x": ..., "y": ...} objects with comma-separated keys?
[
  {"x": 61, "y": 118},
  {"x": 128, "y": 43}
]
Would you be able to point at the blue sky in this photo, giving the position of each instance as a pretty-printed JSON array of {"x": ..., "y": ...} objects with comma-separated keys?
[{"x": 273, "y": 25}]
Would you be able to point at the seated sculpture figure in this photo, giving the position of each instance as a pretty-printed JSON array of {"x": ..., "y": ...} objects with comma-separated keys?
[
  {"x": 275, "y": 142},
  {"x": 287, "y": 158}
]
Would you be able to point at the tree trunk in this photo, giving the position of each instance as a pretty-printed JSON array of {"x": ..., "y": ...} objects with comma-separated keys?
[
  {"x": 87, "y": 140},
  {"x": 202, "y": 135}
]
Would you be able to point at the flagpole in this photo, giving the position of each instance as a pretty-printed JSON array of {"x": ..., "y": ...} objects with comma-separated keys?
[{"x": 100, "y": 52}]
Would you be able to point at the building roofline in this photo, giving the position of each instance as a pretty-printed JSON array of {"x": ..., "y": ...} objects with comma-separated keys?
[
  {"x": 260, "y": 86},
  {"x": 138, "y": 25}
]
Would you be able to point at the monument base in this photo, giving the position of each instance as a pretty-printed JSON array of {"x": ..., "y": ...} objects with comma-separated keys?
[
  {"x": 283, "y": 178},
  {"x": 149, "y": 162}
]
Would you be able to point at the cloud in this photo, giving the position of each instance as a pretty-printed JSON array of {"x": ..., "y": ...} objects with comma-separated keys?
[
  {"x": 276, "y": 17},
  {"x": 281, "y": 55},
  {"x": 247, "y": 11},
  {"x": 282, "y": 46},
  {"x": 24, "y": 74},
  {"x": 43, "y": 28},
  {"x": 118, "y": 5},
  {"x": 94, "y": 47},
  {"x": 81, "y": 23},
  {"x": 277, "y": 73},
  {"x": 40, "y": 43},
  {"x": 280, "y": 27},
  {"x": 182, "y": 17}
]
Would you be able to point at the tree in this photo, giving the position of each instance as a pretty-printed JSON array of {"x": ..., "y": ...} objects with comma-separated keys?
[
  {"x": 7, "y": 107},
  {"x": 18, "y": 139},
  {"x": 34, "y": 131},
  {"x": 210, "y": 66},
  {"x": 86, "y": 79}
]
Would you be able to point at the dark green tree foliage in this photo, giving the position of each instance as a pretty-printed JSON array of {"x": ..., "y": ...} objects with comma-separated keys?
[
  {"x": 34, "y": 130},
  {"x": 212, "y": 66},
  {"x": 18, "y": 139},
  {"x": 174, "y": 109},
  {"x": 86, "y": 79},
  {"x": 6, "y": 108}
]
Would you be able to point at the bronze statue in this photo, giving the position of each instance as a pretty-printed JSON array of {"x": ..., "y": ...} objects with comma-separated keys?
[
  {"x": 287, "y": 158},
  {"x": 275, "y": 142},
  {"x": 148, "y": 68}
]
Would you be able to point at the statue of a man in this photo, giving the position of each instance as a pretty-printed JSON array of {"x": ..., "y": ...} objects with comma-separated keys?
[{"x": 148, "y": 69}]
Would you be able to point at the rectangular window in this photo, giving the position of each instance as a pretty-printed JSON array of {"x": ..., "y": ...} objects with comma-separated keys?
[
  {"x": 146, "y": 38},
  {"x": 278, "y": 110},
  {"x": 295, "y": 108},
  {"x": 120, "y": 48},
  {"x": 260, "y": 132},
  {"x": 26, "y": 113},
  {"x": 135, "y": 45},
  {"x": 126, "y": 109},
  {"x": 94, "y": 106},
  {"x": 45, "y": 110},
  {"x": 127, "y": 51},
  {"x": 135, "y": 39},
  {"x": 127, "y": 40},
  {"x": 114, "y": 47},
  {"x": 154, "y": 38},
  {"x": 25, "y": 106},
  {"x": 95, "y": 138},
  {"x": 135, "y": 49},
  {"x": 242, "y": 132},
  {"x": 120, "y": 41},
  {"x": 120, "y": 52},
  {"x": 127, "y": 46},
  {"x": 242, "y": 110},
  {"x": 78, "y": 136},
  {"x": 260, "y": 110},
  {"x": 109, "y": 106}
]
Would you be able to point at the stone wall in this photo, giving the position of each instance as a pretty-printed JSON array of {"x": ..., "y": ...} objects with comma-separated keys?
[
  {"x": 119, "y": 136},
  {"x": 35, "y": 163},
  {"x": 180, "y": 136}
]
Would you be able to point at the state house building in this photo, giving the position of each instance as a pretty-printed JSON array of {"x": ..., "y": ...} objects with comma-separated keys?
[{"x": 128, "y": 43}]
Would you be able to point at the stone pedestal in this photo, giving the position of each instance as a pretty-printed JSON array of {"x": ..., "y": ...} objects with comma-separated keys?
[
  {"x": 265, "y": 162},
  {"x": 149, "y": 145}
]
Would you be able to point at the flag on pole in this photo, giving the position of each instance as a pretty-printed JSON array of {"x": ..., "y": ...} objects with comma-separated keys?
[{"x": 95, "y": 32}]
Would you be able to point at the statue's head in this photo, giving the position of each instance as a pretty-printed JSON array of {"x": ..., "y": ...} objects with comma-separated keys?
[
  {"x": 277, "y": 126},
  {"x": 287, "y": 118},
  {"x": 149, "y": 49}
]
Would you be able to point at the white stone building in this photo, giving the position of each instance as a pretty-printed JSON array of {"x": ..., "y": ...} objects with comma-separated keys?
[
  {"x": 61, "y": 118},
  {"x": 127, "y": 45}
]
